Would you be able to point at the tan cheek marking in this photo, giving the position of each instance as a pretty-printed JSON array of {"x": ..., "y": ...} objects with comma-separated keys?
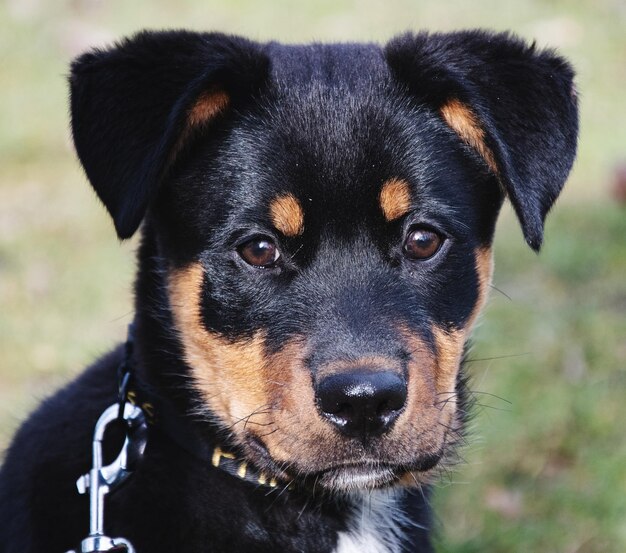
[
  {"x": 237, "y": 379},
  {"x": 450, "y": 343},
  {"x": 287, "y": 215},
  {"x": 420, "y": 372},
  {"x": 230, "y": 375},
  {"x": 421, "y": 379},
  {"x": 484, "y": 269},
  {"x": 395, "y": 199},
  {"x": 449, "y": 352},
  {"x": 207, "y": 106},
  {"x": 423, "y": 416},
  {"x": 295, "y": 420},
  {"x": 427, "y": 413},
  {"x": 462, "y": 120}
]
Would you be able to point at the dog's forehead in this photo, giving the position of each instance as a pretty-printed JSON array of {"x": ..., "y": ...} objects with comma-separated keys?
[
  {"x": 331, "y": 143},
  {"x": 347, "y": 64},
  {"x": 332, "y": 131}
]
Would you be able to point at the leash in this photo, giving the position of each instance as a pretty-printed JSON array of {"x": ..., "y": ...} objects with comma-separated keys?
[
  {"x": 101, "y": 480},
  {"x": 139, "y": 407}
]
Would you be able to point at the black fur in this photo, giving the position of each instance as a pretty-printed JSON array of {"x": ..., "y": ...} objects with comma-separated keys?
[
  {"x": 129, "y": 105},
  {"x": 524, "y": 97},
  {"x": 329, "y": 124}
]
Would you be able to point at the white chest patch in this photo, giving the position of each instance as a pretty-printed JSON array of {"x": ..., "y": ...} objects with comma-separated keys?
[{"x": 376, "y": 526}]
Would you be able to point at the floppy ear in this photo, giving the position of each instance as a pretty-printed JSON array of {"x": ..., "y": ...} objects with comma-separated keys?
[
  {"x": 134, "y": 105},
  {"x": 514, "y": 104}
]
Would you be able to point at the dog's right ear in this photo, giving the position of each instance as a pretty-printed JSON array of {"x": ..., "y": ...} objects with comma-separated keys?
[
  {"x": 134, "y": 105},
  {"x": 514, "y": 104}
]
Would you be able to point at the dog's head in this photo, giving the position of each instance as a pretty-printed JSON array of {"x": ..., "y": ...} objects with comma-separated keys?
[{"x": 325, "y": 215}]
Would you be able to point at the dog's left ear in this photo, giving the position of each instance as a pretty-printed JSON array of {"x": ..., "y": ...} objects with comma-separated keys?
[
  {"x": 514, "y": 104},
  {"x": 136, "y": 104}
]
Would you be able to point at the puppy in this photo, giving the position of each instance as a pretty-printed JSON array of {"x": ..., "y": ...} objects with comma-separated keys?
[{"x": 316, "y": 246}]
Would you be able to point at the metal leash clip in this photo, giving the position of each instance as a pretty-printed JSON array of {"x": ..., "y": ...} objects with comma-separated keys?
[{"x": 100, "y": 480}]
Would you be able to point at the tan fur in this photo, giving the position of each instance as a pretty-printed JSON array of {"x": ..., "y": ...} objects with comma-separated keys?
[
  {"x": 287, "y": 215},
  {"x": 421, "y": 382},
  {"x": 443, "y": 369},
  {"x": 395, "y": 199},
  {"x": 218, "y": 365},
  {"x": 297, "y": 423},
  {"x": 250, "y": 391},
  {"x": 423, "y": 416},
  {"x": 373, "y": 362},
  {"x": 450, "y": 343},
  {"x": 433, "y": 416},
  {"x": 449, "y": 352},
  {"x": 464, "y": 122},
  {"x": 207, "y": 106},
  {"x": 484, "y": 269}
]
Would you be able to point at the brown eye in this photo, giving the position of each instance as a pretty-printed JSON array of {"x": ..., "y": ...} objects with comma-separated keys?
[
  {"x": 259, "y": 252},
  {"x": 422, "y": 243}
]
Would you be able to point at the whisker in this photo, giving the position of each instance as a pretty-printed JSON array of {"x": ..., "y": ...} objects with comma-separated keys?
[
  {"x": 261, "y": 410},
  {"x": 296, "y": 252},
  {"x": 277, "y": 382},
  {"x": 501, "y": 291},
  {"x": 496, "y": 358},
  {"x": 269, "y": 433},
  {"x": 485, "y": 406}
]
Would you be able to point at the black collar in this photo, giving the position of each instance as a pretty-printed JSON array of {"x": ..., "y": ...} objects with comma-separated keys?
[{"x": 161, "y": 414}]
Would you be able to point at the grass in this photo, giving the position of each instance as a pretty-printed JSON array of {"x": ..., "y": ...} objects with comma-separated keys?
[{"x": 545, "y": 468}]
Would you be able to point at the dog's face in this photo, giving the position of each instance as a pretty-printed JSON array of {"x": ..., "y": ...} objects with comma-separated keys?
[
  {"x": 325, "y": 218},
  {"x": 325, "y": 307}
]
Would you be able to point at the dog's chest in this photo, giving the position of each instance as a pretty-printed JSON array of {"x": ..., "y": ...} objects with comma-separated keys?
[{"x": 375, "y": 526}]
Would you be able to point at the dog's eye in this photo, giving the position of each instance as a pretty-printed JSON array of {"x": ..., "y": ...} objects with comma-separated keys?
[
  {"x": 259, "y": 252},
  {"x": 422, "y": 243}
]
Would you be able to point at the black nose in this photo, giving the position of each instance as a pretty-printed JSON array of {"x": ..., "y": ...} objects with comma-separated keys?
[{"x": 362, "y": 404}]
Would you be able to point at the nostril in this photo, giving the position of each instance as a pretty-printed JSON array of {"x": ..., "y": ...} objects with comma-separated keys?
[
  {"x": 384, "y": 409},
  {"x": 395, "y": 397},
  {"x": 362, "y": 403},
  {"x": 341, "y": 410},
  {"x": 341, "y": 416}
]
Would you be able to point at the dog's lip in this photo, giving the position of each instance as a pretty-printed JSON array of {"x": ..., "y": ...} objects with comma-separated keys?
[
  {"x": 365, "y": 467},
  {"x": 367, "y": 464},
  {"x": 368, "y": 473},
  {"x": 368, "y": 469},
  {"x": 421, "y": 464},
  {"x": 353, "y": 476}
]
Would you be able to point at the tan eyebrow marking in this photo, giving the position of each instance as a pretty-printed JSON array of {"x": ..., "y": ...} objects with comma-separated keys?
[
  {"x": 287, "y": 215},
  {"x": 395, "y": 199},
  {"x": 463, "y": 121}
]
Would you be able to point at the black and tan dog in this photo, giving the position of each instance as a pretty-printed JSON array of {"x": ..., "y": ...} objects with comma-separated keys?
[{"x": 316, "y": 245}]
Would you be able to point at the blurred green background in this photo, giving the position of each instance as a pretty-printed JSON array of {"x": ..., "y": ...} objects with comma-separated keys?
[{"x": 545, "y": 468}]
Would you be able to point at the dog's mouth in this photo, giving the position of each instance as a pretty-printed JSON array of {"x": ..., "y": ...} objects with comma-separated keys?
[
  {"x": 354, "y": 476},
  {"x": 368, "y": 473}
]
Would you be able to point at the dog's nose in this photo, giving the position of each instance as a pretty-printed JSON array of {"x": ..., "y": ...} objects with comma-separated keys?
[{"x": 362, "y": 404}]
